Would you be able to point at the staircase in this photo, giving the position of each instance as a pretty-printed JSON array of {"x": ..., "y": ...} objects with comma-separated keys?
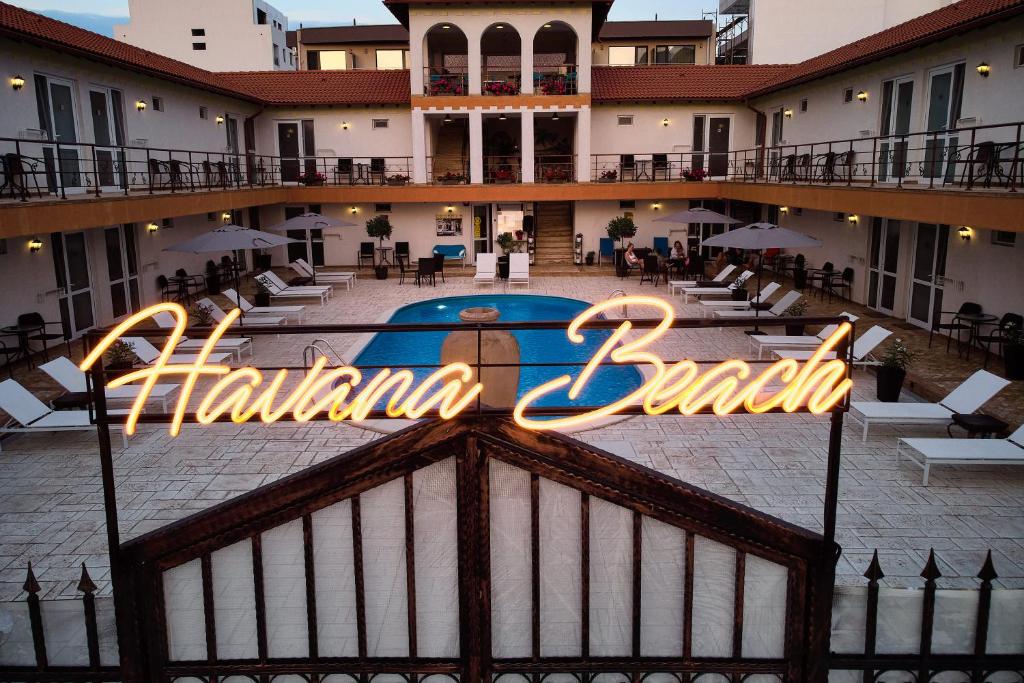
[
  {"x": 450, "y": 149},
  {"x": 553, "y": 234}
]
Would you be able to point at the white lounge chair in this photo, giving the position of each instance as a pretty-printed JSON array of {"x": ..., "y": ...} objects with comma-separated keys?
[
  {"x": 769, "y": 341},
  {"x": 861, "y": 352},
  {"x": 149, "y": 354},
  {"x": 486, "y": 269},
  {"x": 273, "y": 277},
  {"x": 69, "y": 376},
  {"x": 290, "y": 292},
  {"x": 712, "y": 306},
  {"x": 774, "y": 312},
  {"x": 218, "y": 314},
  {"x": 699, "y": 292},
  {"x": 346, "y": 277},
  {"x": 677, "y": 285},
  {"x": 928, "y": 452},
  {"x": 233, "y": 345},
  {"x": 30, "y": 415},
  {"x": 519, "y": 269},
  {"x": 972, "y": 394},
  {"x": 247, "y": 308}
]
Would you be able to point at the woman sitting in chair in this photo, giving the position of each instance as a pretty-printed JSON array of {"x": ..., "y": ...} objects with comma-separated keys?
[{"x": 632, "y": 261}]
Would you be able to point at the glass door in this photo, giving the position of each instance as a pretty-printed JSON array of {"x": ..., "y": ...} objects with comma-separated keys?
[
  {"x": 718, "y": 146},
  {"x": 107, "y": 109},
  {"x": 945, "y": 100},
  {"x": 482, "y": 242},
  {"x": 288, "y": 149},
  {"x": 897, "y": 100},
  {"x": 775, "y": 155},
  {"x": 122, "y": 270},
  {"x": 74, "y": 286},
  {"x": 57, "y": 102},
  {"x": 883, "y": 264},
  {"x": 929, "y": 271}
]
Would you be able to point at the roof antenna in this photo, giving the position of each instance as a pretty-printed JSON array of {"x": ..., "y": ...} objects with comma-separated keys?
[
  {"x": 353, "y": 21},
  {"x": 655, "y": 16}
]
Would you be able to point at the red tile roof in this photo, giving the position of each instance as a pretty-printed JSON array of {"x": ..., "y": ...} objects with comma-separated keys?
[
  {"x": 927, "y": 28},
  {"x": 322, "y": 87},
  {"x": 674, "y": 83}
]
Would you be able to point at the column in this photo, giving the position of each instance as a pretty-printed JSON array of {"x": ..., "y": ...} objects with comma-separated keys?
[
  {"x": 419, "y": 146},
  {"x": 476, "y": 146},
  {"x": 475, "y": 62},
  {"x": 526, "y": 146},
  {"x": 526, "y": 64},
  {"x": 583, "y": 145}
]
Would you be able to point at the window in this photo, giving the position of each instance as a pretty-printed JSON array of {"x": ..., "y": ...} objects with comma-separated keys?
[
  {"x": 158, "y": 103},
  {"x": 625, "y": 119},
  {"x": 675, "y": 54},
  {"x": 627, "y": 204},
  {"x": 627, "y": 55},
  {"x": 848, "y": 95},
  {"x": 327, "y": 60},
  {"x": 1004, "y": 238},
  {"x": 277, "y": 61},
  {"x": 167, "y": 223},
  {"x": 839, "y": 217},
  {"x": 382, "y": 208},
  {"x": 380, "y": 123},
  {"x": 261, "y": 16},
  {"x": 390, "y": 59},
  {"x": 1018, "y": 56},
  {"x": 204, "y": 113},
  {"x": 796, "y": 211},
  {"x": 198, "y": 32},
  {"x": 803, "y": 105},
  {"x": 198, "y": 46}
]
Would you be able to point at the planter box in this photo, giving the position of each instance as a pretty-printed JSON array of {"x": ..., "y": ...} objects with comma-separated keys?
[
  {"x": 453, "y": 182},
  {"x": 398, "y": 183}
]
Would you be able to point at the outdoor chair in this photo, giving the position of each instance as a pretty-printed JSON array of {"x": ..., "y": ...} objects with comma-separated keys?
[
  {"x": 748, "y": 305},
  {"x": 605, "y": 249},
  {"x": 954, "y": 325},
  {"x": 776, "y": 311},
  {"x": 365, "y": 252},
  {"x": 159, "y": 173},
  {"x": 41, "y": 334},
  {"x": 343, "y": 171},
  {"x": 999, "y": 334},
  {"x": 650, "y": 270},
  {"x": 486, "y": 269},
  {"x": 404, "y": 269},
  {"x": 821, "y": 276},
  {"x": 219, "y": 315},
  {"x": 8, "y": 351},
  {"x": 699, "y": 290},
  {"x": 519, "y": 269},
  {"x": 167, "y": 293},
  {"x": 972, "y": 394},
  {"x": 29, "y": 415},
  {"x": 425, "y": 271},
  {"x": 860, "y": 353},
  {"x": 234, "y": 345},
  {"x": 766, "y": 341},
  {"x": 402, "y": 249},
  {"x": 302, "y": 267},
  {"x": 787, "y": 169},
  {"x": 17, "y": 168},
  {"x": 661, "y": 246},
  {"x": 439, "y": 264},
  {"x": 927, "y": 452},
  {"x": 190, "y": 283},
  {"x": 276, "y": 291},
  {"x": 678, "y": 285},
  {"x": 273, "y": 277},
  {"x": 247, "y": 308},
  {"x": 69, "y": 376},
  {"x": 149, "y": 354},
  {"x": 839, "y": 283}
]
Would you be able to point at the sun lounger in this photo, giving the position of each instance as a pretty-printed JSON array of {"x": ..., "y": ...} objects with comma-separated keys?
[
  {"x": 234, "y": 345},
  {"x": 774, "y": 312},
  {"x": 768, "y": 341},
  {"x": 30, "y": 415},
  {"x": 149, "y": 354},
  {"x": 972, "y": 394},
  {"x": 699, "y": 292},
  {"x": 928, "y": 452},
  {"x": 248, "y": 309},
  {"x": 305, "y": 270},
  {"x": 677, "y": 285},
  {"x": 272, "y": 276},
  {"x": 287, "y": 292},
  {"x": 519, "y": 269},
  {"x": 218, "y": 314},
  {"x": 712, "y": 306},
  {"x": 486, "y": 269},
  {"x": 69, "y": 376},
  {"x": 861, "y": 352}
]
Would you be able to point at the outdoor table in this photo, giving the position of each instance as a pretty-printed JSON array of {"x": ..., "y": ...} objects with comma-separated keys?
[
  {"x": 383, "y": 258},
  {"x": 182, "y": 283},
  {"x": 976, "y": 425},
  {"x": 642, "y": 169},
  {"x": 22, "y": 332},
  {"x": 974, "y": 321}
]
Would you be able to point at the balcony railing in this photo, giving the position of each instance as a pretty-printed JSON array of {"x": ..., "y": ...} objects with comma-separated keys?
[
  {"x": 502, "y": 169},
  {"x": 500, "y": 82},
  {"x": 451, "y": 175},
  {"x": 555, "y": 80},
  {"x": 560, "y": 168},
  {"x": 445, "y": 81}
]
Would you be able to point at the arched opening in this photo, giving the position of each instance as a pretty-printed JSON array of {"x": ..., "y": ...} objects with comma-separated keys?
[
  {"x": 446, "y": 61},
  {"x": 500, "y": 57},
  {"x": 555, "y": 51}
]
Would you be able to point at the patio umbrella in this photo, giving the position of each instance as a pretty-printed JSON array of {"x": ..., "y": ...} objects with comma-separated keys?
[
  {"x": 761, "y": 236},
  {"x": 697, "y": 215},
  {"x": 230, "y": 238},
  {"x": 311, "y": 221}
]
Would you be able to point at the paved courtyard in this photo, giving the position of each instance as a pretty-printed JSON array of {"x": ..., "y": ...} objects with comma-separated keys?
[{"x": 51, "y": 510}]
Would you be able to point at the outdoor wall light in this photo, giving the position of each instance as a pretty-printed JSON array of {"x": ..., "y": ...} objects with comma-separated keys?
[
  {"x": 862, "y": 96},
  {"x": 140, "y": 105},
  {"x": 226, "y": 216},
  {"x": 965, "y": 233},
  {"x": 35, "y": 244},
  {"x": 984, "y": 69},
  {"x": 219, "y": 119},
  {"x": 665, "y": 122},
  {"x": 656, "y": 206},
  {"x": 449, "y": 209},
  {"x": 788, "y": 113},
  {"x": 354, "y": 210},
  {"x": 17, "y": 82},
  {"x": 853, "y": 218},
  {"x": 152, "y": 228},
  {"x": 345, "y": 125},
  {"x": 784, "y": 210},
  {"x": 554, "y": 117}
]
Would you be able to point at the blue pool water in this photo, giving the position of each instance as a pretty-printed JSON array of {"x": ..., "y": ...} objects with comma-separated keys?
[{"x": 401, "y": 349}]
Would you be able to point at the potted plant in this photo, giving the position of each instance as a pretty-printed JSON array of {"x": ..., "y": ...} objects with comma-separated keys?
[
  {"x": 398, "y": 179},
  {"x": 556, "y": 175},
  {"x": 590, "y": 258},
  {"x": 313, "y": 178},
  {"x": 795, "y": 310},
  {"x": 379, "y": 227},
  {"x": 1013, "y": 352},
  {"x": 892, "y": 370},
  {"x": 609, "y": 176},
  {"x": 694, "y": 175},
  {"x": 620, "y": 228},
  {"x": 503, "y": 176},
  {"x": 452, "y": 178},
  {"x": 212, "y": 278},
  {"x": 520, "y": 235},
  {"x": 799, "y": 272},
  {"x": 262, "y": 295},
  {"x": 508, "y": 244},
  {"x": 200, "y": 316},
  {"x": 119, "y": 359},
  {"x": 739, "y": 292}
]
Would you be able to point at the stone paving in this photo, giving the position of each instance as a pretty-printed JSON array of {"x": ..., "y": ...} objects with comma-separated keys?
[{"x": 51, "y": 510}]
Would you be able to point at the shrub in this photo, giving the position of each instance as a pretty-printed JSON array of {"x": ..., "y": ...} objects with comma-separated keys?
[
  {"x": 379, "y": 227},
  {"x": 621, "y": 227}
]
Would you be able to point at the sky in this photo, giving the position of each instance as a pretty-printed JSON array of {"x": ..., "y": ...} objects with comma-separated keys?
[{"x": 96, "y": 14}]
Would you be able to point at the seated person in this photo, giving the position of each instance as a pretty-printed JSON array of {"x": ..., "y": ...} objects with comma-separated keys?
[{"x": 632, "y": 260}]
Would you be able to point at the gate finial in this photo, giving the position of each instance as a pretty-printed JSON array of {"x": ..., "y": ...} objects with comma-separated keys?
[
  {"x": 85, "y": 584},
  {"x": 31, "y": 585},
  {"x": 931, "y": 569},
  {"x": 874, "y": 572},
  {"x": 988, "y": 570}
]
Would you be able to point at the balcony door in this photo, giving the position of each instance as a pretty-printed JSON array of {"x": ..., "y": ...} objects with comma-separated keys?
[
  {"x": 55, "y": 99},
  {"x": 106, "y": 106},
  {"x": 883, "y": 268},
  {"x": 712, "y": 134},
  {"x": 74, "y": 284},
  {"x": 122, "y": 270},
  {"x": 897, "y": 102},
  {"x": 945, "y": 101},
  {"x": 297, "y": 148},
  {"x": 929, "y": 273}
]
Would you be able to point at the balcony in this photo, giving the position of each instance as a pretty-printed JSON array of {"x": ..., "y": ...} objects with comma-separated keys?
[
  {"x": 555, "y": 80},
  {"x": 445, "y": 82}
]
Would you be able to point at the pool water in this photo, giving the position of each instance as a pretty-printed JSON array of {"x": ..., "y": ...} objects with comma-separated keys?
[{"x": 401, "y": 349}]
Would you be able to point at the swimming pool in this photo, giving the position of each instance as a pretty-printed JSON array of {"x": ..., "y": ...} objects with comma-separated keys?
[{"x": 401, "y": 349}]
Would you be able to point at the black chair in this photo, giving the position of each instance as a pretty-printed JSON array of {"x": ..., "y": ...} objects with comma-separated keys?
[
  {"x": 193, "y": 283},
  {"x": 365, "y": 252},
  {"x": 695, "y": 267},
  {"x": 425, "y": 271},
  {"x": 1000, "y": 333},
  {"x": 166, "y": 292},
  {"x": 840, "y": 282},
  {"x": 343, "y": 170},
  {"x": 966, "y": 308},
  {"x": 650, "y": 270},
  {"x": 41, "y": 335},
  {"x": 404, "y": 268},
  {"x": 7, "y": 352},
  {"x": 16, "y": 175},
  {"x": 821, "y": 277},
  {"x": 439, "y": 265},
  {"x": 402, "y": 250}
]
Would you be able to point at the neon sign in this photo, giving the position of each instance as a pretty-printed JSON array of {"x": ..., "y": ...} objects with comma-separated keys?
[{"x": 341, "y": 393}]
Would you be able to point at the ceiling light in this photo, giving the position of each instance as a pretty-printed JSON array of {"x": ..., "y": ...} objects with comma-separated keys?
[
  {"x": 447, "y": 118},
  {"x": 554, "y": 117}
]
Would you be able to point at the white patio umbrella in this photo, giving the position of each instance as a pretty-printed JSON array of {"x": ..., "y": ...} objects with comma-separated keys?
[
  {"x": 229, "y": 238},
  {"x": 761, "y": 236},
  {"x": 311, "y": 221},
  {"x": 697, "y": 215}
]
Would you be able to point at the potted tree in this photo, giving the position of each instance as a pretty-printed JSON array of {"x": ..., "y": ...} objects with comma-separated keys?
[
  {"x": 119, "y": 359},
  {"x": 379, "y": 227},
  {"x": 212, "y": 278},
  {"x": 1013, "y": 352},
  {"x": 795, "y": 310},
  {"x": 590, "y": 258},
  {"x": 262, "y": 295},
  {"x": 508, "y": 244},
  {"x": 200, "y": 316},
  {"x": 621, "y": 228},
  {"x": 799, "y": 272},
  {"x": 893, "y": 370}
]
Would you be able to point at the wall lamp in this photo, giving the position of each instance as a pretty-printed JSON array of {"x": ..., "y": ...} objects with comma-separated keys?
[
  {"x": 788, "y": 113},
  {"x": 784, "y": 210},
  {"x": 354, "y": 210},
  {"x": 151, "y": 228},
  {"x": 345, "y": 125},
  {"x": 862, "y": 96},
  {"x": 140, "y": 105},
  {"x": 965, "y": 233},
  {"x": 984, "y": 69},
  {"x": 17, "y": 82},
  {"x": 449, "y": 209},
  {"x": 665, "y": 122},
  {"x": 35, "y": 244},
  {"x": 656, "y": 206},
  {"x": 853, "y": 219},
  {"x": 226, "y": 216},
  {"x": 219, "y": 119}
]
